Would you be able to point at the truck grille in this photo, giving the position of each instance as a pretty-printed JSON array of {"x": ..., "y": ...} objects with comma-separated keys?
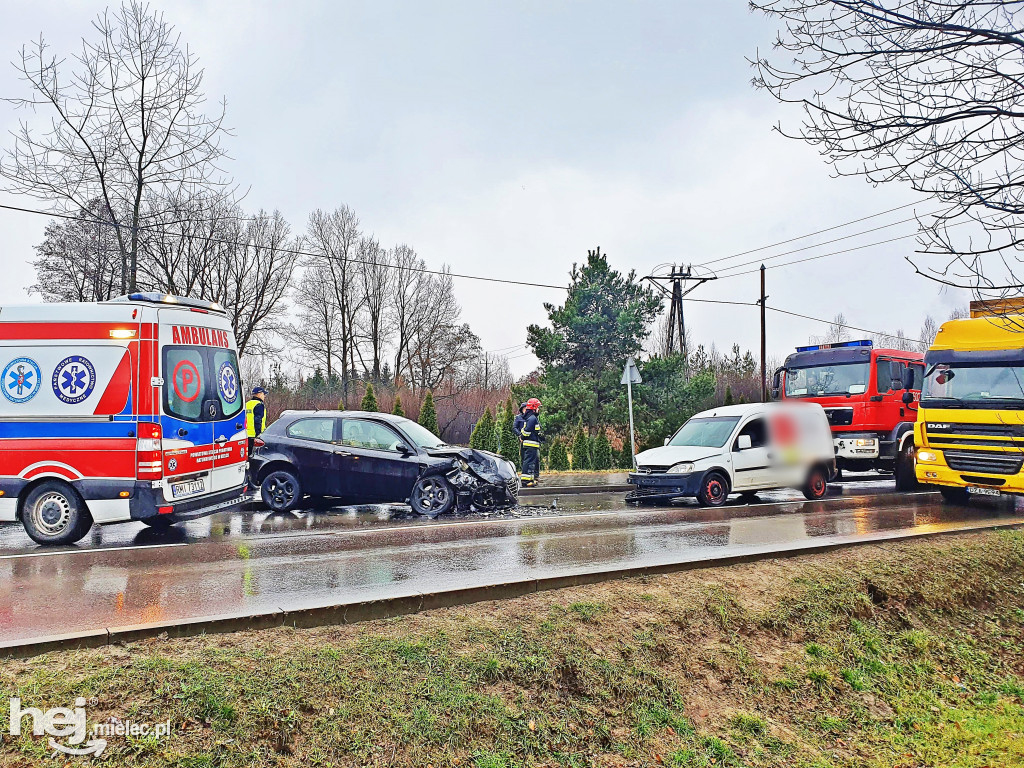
[
  {"x": 996, "y": 463},
  {"x": 839, "y": 417},
  {"x": 968, "y": 435}
]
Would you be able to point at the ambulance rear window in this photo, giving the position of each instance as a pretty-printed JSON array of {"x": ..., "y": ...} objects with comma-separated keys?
[
  {"x": 186, "y": 383},
  {"x": 229, "y": 383}
]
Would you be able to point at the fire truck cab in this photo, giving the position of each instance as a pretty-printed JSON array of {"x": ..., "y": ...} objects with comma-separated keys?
[
  {"x": 129, "y": 409},
  {"x": 861, "y": 389}
]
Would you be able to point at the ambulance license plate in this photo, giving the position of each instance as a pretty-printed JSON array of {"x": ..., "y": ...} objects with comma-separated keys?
[
  {"x": 983, "y": 491},
  {"x": 192, "y": 487}
]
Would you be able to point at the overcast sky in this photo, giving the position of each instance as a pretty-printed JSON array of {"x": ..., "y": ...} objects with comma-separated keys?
[{"x": 505, "y": 139}]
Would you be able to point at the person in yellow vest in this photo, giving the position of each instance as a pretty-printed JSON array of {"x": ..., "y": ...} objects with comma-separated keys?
[{"x": 255, "y": 415}]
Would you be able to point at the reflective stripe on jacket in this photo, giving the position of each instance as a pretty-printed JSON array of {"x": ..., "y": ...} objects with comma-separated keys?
[
  {"x": 255, "y": 417},
  {"x": 530, "y": 433}
]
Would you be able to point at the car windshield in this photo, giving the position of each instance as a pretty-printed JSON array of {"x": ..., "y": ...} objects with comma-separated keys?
[
  {"x": 421, "y": 436},
  {"x": 974, "y": 386},
  {"x": 710, "y": 432},
  {"x": 837, "y": 379}
]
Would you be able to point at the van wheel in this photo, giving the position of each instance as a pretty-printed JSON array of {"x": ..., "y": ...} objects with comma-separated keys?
[
  {"x": 54, "y": 513},
  {"x": 906, "y": 480},
  {"x": 281, "y": 490},
  {"x": 816, "y": 485},
  {"x": 714, "y": 490}
]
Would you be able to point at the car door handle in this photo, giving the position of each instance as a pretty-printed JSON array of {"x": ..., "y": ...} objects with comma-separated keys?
[
  {"x": 346, "y": 454},
  {"x": 182, "y": 432}
]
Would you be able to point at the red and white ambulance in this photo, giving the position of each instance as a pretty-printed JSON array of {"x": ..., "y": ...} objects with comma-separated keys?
[{"x": 130, "y": 409}]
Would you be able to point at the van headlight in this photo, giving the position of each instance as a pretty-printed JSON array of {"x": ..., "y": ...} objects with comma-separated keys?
[
  {"x": 682, "y": 468},
  {"x": 927, "y": 457}
]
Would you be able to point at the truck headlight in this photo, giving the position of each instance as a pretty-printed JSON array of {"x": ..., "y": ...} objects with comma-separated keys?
[
  {"x": 681, "y": 468},
  {"x": 865, "y": 442},
  {"x": 927, "y": 457}
]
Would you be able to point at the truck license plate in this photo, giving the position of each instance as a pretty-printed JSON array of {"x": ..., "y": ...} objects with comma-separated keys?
[
  {"x": 189, "y": 488},
  {"x": 983, "y": 491}
]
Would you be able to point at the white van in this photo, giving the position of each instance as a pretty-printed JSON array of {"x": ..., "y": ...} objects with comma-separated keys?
[{"x": 740, "y": 449}]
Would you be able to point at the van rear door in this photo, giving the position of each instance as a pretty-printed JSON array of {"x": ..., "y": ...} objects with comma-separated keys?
[{"x": 229, "y": 435}]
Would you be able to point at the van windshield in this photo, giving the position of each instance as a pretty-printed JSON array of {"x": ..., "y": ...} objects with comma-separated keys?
[
  {"x": 195, "y": 376},
  {"x": 710, "y": 432}
]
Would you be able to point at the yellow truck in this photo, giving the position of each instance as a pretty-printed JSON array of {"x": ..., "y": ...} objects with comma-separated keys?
[{"x": 969, "y": 433}]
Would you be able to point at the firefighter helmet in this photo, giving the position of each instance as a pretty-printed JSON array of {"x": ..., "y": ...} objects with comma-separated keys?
[{"x": 533, "y": 404}]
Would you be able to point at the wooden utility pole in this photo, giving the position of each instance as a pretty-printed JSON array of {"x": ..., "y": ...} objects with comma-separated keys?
[{"x": 764, "y": 345}]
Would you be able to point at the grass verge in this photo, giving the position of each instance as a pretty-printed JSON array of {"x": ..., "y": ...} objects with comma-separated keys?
[{"x": 901, "y": 655}]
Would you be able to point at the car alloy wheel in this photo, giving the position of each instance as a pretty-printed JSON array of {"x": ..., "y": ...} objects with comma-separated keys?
[
  {"x": 431, "y": 496},
  {"x": 281, "y": 491}
]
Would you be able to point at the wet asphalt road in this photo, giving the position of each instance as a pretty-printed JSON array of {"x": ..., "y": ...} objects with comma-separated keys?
[{"x": 251, "y": 562}]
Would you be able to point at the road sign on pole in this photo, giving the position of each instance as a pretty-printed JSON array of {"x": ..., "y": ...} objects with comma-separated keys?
[{"x": 631, "y": 376}]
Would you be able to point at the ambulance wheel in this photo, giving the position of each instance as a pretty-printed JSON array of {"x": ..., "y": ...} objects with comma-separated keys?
[
  {"x": 54, "y": 513},
  {"x": 816, "y": 485},
  {"x": 281, "y": 490},
  {"x": 714, "y": 490}
]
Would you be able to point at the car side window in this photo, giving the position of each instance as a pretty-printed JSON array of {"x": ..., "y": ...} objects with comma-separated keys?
[
  {"x": 358, "y": 433},
  {"x": 319, "y": 429},
  {"x": 756, "y": 430}
]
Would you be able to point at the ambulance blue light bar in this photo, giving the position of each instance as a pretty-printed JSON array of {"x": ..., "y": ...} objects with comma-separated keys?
[
  {"x": 167, "y": 298},
  {"x": 836, "y": 345}
]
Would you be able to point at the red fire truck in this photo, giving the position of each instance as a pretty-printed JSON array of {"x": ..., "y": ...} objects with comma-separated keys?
[{"x": 861, "y": 389}]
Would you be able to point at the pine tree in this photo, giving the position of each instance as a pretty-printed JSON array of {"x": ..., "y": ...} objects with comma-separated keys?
[
  {"x": 428, "y": 415},
  {"x": 482, "y": 437},
  {"x": 369, "y": 402},
  {"x": 559, "y": 459},
  {"x": 397, "y": 410},
  {"x": 508, "y": 442},
  {"x": 602, "y": 455},
  {"x": 728, "y": 395},
  {"x": 581, "y": 451}
]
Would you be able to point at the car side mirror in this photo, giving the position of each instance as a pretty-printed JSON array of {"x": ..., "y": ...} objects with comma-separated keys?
[
  {"x": 908, "y": 397},
  {"x": 404, "y": 449},
  {"x": 743, "y": 442}
]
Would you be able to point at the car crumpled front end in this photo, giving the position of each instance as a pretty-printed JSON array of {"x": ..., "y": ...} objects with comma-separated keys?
[{"x": 483, "y": 481}]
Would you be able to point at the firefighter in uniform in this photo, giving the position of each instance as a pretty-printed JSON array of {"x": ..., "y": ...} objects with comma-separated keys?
[
  {"x": 517, "y": 426},
  {"x": 531, "y": 437},
  {"x": 255, "y": 415}
]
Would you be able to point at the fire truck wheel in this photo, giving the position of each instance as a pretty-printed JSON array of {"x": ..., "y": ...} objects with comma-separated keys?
[
  {"x": 281, "y": 490},
  {"x": 816, "y": 485},
  {"x": 55, "y": 514},
  {"x": 904, "y": 471},
  {"x": 714, "y": 490}
]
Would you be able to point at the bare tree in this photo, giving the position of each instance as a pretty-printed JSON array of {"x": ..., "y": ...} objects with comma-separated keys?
[
  {"x": 838, "y": 331},
  {"x": 126, "y": 124},
  {"x": 78, "y": 259},
  {"x": 927, "y": 335},
  {"x": 317, "y": 333},
  {"x": 407, "y": 298},
  {"x": 927, "y": 92},
  {"x": 375, "y": 285},
  {"x": 333, "y": 239},
  {"x": 251, "y": 277}
]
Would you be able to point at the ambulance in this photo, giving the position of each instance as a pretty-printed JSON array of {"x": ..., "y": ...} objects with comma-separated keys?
[{"x": 129, "y": 409}]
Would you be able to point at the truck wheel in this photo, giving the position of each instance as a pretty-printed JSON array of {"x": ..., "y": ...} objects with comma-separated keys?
[
  {"x": 54, "y": 513},
  {"x": 906, "y": 480},
  {"x": 816, "y": 485},
  {"x": 714, "y": 490},
  {"x": 281, "y": 490},
  {"x": 955, "y": 495},
  {"x": 431, "y": 496}
]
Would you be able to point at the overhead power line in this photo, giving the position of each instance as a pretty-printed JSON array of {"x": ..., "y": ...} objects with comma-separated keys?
[
  {"x": 222, "y": 241},
  {"x": 809, "y": 234}
]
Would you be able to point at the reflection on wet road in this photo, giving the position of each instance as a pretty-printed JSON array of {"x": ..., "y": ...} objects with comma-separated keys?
[{"x": 253, "y": 562}]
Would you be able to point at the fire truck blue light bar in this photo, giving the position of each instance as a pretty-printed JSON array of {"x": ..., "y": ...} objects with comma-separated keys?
[{"x": 837, "y": 345}]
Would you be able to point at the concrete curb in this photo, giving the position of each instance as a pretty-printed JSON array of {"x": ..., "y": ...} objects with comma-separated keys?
[{"x": 417, "y": 602}]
